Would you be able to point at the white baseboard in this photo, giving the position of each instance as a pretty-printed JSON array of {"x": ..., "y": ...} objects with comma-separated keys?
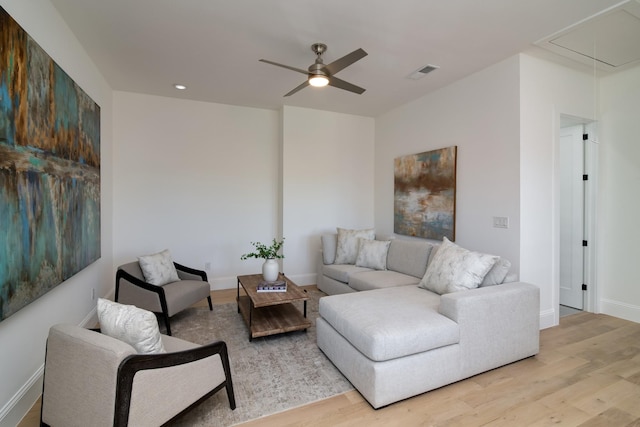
[
  {"x": 304, "y": 279},
  {"x": 620, "y": 309},
  {"x": 22, "y": 402},
  {"x": 231, "y": 282},
  {"x": 221, "y": 283},
  {"x": 547, "y": 319}
]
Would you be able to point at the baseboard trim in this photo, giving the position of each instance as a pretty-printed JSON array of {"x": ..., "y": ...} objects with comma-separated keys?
[
  {"x": 17, "y": 407},
  {"x": 620, "y": 309},
  {"x": 222, "y": 283},
  {"x": 547, "y": 319}
]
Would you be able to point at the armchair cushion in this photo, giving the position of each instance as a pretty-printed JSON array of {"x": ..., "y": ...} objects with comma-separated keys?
[
  {"x": 133, "y": 325},
  {"x": 158, "y": 269}
]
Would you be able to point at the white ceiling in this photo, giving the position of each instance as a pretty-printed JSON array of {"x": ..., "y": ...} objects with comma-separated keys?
[{"x": 213, "y": 46}]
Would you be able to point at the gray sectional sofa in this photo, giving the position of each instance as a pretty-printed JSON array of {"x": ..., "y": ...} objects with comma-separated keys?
[{"x": 393, "y": 339}]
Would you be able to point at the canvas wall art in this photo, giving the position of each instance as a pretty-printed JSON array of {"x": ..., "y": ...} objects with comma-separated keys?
[
  {"x": 425, "y": 194},
  {"x": 49, "y": 172}
]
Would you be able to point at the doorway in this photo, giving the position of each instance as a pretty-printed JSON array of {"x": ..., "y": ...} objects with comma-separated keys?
[{"x": 576, "y": 192}]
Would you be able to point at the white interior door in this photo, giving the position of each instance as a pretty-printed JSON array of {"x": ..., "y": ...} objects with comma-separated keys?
[{"x": 571, "y": 216}]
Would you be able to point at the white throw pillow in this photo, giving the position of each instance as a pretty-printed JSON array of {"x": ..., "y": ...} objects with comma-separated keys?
[
  {"x": 329, "y": 243},
  {"x": 454, "y": 268},
  {"x": 347, "y": 250},
  {"x": 133, "y": 325},
  {"x": 158, "y": 269},
  {"x": 372, "y": 254},
  {"x": 497, "y": 274}
]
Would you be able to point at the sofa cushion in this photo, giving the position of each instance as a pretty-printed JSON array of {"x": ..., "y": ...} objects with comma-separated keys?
[
  {"x": 497, "y": 274},
  {"x": 368, "y": 280},
  {"x": 372, "y": 254},
  {"x": 454, "y": 269},
  {"x": 409, "y": 256},
  {"x": 347, "y": 249},
  {"x": 406, "y": 321},
  {"x": 329, "y": 244},
  {"x": 341, "y": 272}
]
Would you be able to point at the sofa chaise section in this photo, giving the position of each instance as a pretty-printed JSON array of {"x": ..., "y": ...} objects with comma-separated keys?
[{"x": 398, "y": 342}]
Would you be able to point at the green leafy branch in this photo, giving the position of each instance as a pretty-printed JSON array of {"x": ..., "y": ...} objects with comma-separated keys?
[{"x": 265, "y": 252}]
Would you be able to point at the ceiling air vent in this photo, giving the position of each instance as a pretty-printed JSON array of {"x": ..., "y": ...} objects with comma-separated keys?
[{"x": 421, "y": 72}]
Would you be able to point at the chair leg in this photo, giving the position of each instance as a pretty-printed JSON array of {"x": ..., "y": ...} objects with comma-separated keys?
[
  {"x": 231, "y": 396},
  {"x": 210, "y": 304},
  {"x": 166, "y": 322},
  {"x": 224, "y": 357}
]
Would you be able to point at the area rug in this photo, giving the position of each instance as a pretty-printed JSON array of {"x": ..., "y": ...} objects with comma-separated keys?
[{"x": 270, "y": 374}]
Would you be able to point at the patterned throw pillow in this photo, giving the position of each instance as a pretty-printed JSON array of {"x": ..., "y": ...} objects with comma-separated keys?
[
  {"x": 158, "y": 269},
  {"x": 133, "y": 325},
  {"x": 497, "y": 274},
  {"x": 372, "y": 254},
  {"x": 454, "y": 269},
  {"x": 347, "y": 250}
]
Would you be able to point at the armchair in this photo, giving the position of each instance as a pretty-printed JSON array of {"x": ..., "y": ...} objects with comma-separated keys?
[
  {"x": 93, "y": 379},
  {"x": 169, "y": 299}
]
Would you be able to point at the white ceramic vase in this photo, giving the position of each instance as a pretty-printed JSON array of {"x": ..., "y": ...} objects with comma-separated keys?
[{"x": 270, "y": 270}]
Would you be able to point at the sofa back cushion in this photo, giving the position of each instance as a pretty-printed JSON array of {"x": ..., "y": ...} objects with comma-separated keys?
[{"x": 408, "y": 256}]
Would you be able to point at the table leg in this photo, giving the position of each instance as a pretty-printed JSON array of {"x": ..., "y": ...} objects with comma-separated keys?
[{"x": 250, "y": 320}]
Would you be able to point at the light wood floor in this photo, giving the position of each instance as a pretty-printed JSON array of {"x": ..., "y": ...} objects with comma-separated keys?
[{"x": 586, "y": 374}]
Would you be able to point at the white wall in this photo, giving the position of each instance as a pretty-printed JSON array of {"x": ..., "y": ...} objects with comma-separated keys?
[
  {"x": 197, "y": 178},
  {"x": 547, "y": 91},
  {"x": 480, "y": 115},
  {"x": 23, "y": 335},
  {"x": 327, "y": 182},
  {"x": 619, "y": 213}
]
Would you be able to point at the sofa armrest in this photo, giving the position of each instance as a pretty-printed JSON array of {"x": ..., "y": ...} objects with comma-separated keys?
[{"x": 498, "y": 324}]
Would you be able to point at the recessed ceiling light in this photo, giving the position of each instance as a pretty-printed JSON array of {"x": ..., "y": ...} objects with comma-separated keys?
[{"x": 180, "y": 87}]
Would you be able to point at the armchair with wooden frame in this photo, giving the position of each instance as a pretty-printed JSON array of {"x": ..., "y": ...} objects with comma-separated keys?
[
  {"x": 167, "y": 300},
  {"x": 94, "y": 379}
]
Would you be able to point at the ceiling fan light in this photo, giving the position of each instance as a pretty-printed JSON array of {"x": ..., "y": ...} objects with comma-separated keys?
[{"x": 318, "y": 81}]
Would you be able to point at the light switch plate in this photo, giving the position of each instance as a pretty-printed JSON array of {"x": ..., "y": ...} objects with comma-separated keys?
[{"x": 500, "y": 222}]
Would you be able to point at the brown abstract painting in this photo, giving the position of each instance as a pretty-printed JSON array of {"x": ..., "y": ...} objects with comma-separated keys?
[
  {"x": 49, "y": 172},
  {"x": 425, "y": 194}
]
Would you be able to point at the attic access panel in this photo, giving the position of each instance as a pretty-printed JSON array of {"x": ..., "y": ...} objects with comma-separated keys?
[{"x": 610, "y": 39}]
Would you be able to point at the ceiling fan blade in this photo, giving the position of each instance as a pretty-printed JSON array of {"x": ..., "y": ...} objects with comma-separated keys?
[
  {"x": 285, "y": 66},
  {"x": 341, "y": 84},
  {"x": 345, "y": 61},
  {"x": 302, "y": 86}
]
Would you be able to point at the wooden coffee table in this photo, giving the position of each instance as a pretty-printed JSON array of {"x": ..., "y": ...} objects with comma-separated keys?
[{"x": 270, "y": 313}]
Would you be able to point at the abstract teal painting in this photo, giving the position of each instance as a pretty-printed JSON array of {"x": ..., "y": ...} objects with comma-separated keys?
[
  {"x": 49, "y": 172},
  {"x": 425, "y": 194}
]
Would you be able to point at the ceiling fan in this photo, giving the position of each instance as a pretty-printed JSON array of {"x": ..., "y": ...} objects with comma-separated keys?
[{"x": 319, "y": 74}]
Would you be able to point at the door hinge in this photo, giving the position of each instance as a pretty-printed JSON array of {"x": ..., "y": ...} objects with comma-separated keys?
[
  {"x": 585, "y": 136},
  {"x": 584, "y": 287},
  {"x": 585, "y": 177},
  {"x": 584, "y": 243}
]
